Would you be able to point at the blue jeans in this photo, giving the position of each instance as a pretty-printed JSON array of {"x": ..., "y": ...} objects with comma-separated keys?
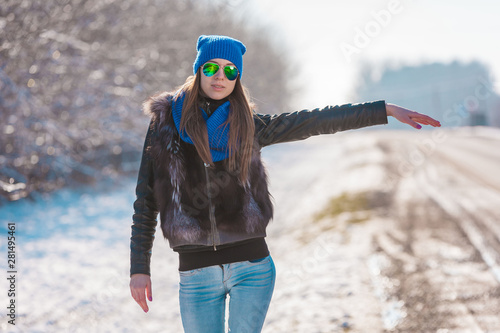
[{"x": 203, "y": 292}]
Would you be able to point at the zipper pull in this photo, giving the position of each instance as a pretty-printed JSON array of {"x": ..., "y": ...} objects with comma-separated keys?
[{"x": 207, "y": 111}]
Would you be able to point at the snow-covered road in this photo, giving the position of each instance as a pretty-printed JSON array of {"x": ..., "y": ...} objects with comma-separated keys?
[{"x": 420, "y": 253}]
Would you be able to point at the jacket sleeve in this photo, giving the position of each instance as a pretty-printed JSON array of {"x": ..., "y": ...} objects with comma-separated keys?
[
  {"x": 300, "y": 125},
  {"x": 145, "y": 213}
]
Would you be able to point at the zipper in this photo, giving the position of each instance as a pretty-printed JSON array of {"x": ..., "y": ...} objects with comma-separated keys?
[{"x": 211, "y": 211}]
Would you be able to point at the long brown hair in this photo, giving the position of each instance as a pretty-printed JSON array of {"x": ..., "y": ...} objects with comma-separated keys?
[{"x": 242, "y": 129}]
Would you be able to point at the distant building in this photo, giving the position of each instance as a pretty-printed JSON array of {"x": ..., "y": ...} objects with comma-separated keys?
[
  {"x": 457, "y": 94},
  {"x": 478, "y": 119}
]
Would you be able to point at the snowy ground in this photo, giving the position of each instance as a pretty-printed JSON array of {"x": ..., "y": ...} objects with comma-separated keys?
[{"x": 424, "y": 258}]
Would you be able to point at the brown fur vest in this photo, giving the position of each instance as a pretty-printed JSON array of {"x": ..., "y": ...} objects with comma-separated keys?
[{"x": 184, "y": 193}]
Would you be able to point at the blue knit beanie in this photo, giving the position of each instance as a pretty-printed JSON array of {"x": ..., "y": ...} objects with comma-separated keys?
[{"x": 223, "y": 47}]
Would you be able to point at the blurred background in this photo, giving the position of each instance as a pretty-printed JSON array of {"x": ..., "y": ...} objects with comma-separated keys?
[{"x": 74, "y": 73}]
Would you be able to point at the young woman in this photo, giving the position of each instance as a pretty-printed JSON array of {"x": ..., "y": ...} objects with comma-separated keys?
[{"x": 201, "y": 171}]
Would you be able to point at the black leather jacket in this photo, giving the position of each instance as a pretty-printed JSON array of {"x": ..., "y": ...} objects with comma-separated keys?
[{"x": 269, "y": 129}]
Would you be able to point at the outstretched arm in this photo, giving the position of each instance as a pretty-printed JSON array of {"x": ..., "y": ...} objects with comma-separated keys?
[
  {"x": 409, "y": 117},
  {"x": 300, "y": 125}
]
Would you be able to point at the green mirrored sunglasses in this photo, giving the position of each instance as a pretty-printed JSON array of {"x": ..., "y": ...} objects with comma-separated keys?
[{"x": 210, "y": 68}]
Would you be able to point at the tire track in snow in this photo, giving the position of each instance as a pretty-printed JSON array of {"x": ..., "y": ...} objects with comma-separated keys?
[{"x": 433, "y": 280}]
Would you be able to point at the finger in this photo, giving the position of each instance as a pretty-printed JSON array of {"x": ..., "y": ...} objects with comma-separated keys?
[
  {"x": 142, "y": 303},
  {"x": 424, "y": 119},
  {"x": 428, "y": 121},
  {"x": 420, "y": 119},
  {"x": 138, "y": 295},
  {"x": 408, "y": 120},
  {"x": 414, "y": 124},
  {"x": 149, "y": 292}
]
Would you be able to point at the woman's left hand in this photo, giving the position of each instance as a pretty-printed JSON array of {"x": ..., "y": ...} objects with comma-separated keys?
[{"x": 409, "y": 117}]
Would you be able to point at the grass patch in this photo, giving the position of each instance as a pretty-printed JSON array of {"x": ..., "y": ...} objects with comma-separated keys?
[
  {"x": 344, "y": 211},
  {"x": 356, "y": 203}
]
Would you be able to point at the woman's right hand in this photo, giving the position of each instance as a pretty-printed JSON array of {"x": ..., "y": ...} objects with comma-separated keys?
[{"x": 140, "y": 286}]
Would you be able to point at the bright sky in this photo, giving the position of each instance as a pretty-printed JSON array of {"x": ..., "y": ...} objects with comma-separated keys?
[{"x": 330, "y": 40}]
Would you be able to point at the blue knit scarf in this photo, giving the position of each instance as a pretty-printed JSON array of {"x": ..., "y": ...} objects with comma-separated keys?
[{"x": 218, "y": 133}]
